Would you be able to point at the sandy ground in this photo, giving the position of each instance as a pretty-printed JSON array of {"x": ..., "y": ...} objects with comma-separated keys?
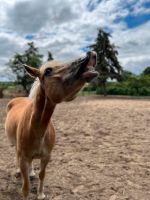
[{"x": 102, "y": 152}]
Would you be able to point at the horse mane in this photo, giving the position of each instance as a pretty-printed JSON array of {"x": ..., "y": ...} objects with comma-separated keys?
[{"x": 34, "y": 88}]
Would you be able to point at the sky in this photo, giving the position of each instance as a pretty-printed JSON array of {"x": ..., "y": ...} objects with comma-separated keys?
[{"x": 67, "y": 27}]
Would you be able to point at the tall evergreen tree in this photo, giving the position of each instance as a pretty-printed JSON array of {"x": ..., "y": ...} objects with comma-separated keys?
[
  {"x": 50, "y": 57},
  {"x": 108, "y": 65},
  {"x": 30, "y": 57},
  {"x": 146, "y": 71}
]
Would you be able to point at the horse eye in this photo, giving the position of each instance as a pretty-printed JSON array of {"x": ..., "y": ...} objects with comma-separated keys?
[{"x": 48, "y": 72}]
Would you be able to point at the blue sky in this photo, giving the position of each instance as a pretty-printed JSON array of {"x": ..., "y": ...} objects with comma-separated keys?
[{"x": 67, "y": 28}]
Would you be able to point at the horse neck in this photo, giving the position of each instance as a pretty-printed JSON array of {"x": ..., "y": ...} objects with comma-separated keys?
[{"x": 43, "y": 109}]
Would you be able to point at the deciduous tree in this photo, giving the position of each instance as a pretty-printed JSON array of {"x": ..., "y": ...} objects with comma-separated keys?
[{"x": 31, "y": 57}]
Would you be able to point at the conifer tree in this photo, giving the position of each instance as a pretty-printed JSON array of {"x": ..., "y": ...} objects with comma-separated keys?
[
  {"x": 50, "y": 57},
  {"x": 108, "y": 65}
]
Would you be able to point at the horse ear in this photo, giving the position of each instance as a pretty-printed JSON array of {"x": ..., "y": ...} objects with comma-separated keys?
[{"x": 34, "y": 72}]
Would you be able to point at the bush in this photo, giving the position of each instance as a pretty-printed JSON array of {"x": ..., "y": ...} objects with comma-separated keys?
[
  {"x": 124, "y": 90},
  {"x": 117, "y": 91},
  {"x": 132, "y": 92},
  {"x": 144, "y": 91},
  {"x": 133, "y": 86},
  {"x": 99, "y": 90},
  {"x": 89, "y": 88}
]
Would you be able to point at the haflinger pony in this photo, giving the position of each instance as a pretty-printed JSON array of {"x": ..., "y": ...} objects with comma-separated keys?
[{"x": 28, "y": 122}]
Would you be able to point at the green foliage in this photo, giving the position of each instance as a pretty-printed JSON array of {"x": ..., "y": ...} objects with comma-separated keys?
[
  {"x": 146, "y": 71},
  {"x": 126, "y": 75},
  {"x": 5, "y": 85},
  {"x": 30, "y": 57},
  {"x": 133, "y": 86},
  {"x": 99, "y": 90}
]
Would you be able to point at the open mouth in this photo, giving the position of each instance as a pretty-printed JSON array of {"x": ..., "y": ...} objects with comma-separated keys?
[
  {"x": 83, "y": 70},
  {"x": 87, "y": 70}
]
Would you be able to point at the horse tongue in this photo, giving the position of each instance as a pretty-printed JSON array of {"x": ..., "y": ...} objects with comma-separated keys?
[{"x": 90, "y": 74}]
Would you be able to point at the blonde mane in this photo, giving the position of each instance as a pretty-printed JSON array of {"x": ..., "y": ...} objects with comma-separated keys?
[{"x": 34, "y": 88}]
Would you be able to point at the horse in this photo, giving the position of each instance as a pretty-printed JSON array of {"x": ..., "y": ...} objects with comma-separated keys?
[{"x": 28, "y": 122}]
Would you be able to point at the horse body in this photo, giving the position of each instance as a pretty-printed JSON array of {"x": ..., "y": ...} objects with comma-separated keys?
[
  {"x": 18, "y": 126},
  {"x": 28, "y": 123},
  {"x": 32, "y": 138}
]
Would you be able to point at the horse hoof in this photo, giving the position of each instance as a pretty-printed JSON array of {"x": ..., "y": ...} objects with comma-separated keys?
[
  {"x": 41, "y": 196},
  {"x": 17, "y": 174}
]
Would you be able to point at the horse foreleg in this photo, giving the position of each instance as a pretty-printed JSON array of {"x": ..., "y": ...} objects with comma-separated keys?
[
  {"x": 43, "y": 164},
  {"x": 24, "y": 167}
]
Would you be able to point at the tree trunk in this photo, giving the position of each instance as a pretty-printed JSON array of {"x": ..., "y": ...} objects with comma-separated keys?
[
  {"x": 1, "y": 93},
  {"x": 104, "y": 88}
]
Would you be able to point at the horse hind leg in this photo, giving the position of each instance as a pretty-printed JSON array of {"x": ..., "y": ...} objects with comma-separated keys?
[
  {"x": 18, "y": 171},
  {"x": 31, "y": 170}
]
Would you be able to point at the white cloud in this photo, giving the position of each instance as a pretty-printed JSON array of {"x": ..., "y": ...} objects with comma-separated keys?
[
  {"x": 32, "y": 16},
  {"x": 140, "y": 9},
  {"x": 134, "y": 47}
]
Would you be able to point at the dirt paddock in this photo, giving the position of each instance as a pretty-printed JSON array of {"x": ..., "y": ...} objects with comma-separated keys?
[{"x": 102, "y": 152}]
